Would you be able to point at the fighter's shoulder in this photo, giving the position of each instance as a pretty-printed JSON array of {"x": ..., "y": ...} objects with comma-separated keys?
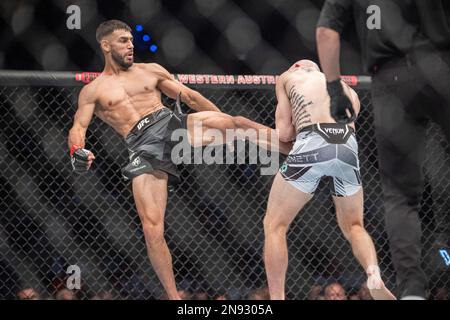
[
  {"x": 284, "y": 75},
  {"x": 157, "y": 69},
  {"x": 151, "y": 66},
  {"x": 281, "y": 79},
  {"x": 89, "y": 90}
]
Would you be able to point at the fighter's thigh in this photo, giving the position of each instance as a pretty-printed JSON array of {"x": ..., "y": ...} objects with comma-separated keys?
[
  {"x": 150, "y": 195},
  {"x": 349, "y": 210},
  {"x": 210, "y": 120},
  {"x": 285, "y": 201},
  {"x": 207, "y": 127}
]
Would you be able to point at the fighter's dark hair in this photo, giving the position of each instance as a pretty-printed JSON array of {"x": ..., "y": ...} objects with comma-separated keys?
[{"x": 108, "y": 27}]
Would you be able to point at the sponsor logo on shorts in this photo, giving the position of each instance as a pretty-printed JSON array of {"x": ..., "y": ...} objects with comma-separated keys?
[
  {"x": 334, "y": 130},
  {"x": 306, "y": 157},
  {"x": 136, "y": 162},
  {"x": 284, "y": 168}
]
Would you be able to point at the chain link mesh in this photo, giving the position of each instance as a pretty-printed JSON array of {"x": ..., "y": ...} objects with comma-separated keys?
[{"x": 51, "y": 218}]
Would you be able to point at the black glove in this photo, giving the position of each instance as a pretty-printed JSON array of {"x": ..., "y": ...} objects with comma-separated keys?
[
  {"x": 339, "y": 103},
  {"x": 79, "y": 159}
]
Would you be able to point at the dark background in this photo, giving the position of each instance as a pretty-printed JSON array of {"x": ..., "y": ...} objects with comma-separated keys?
[
  {"x": 50, "y": 218},
  {"x": 201, "y": 36}
]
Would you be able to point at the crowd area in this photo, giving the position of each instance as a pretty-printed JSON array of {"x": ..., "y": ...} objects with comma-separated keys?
[{"x": 331, "y": 291}]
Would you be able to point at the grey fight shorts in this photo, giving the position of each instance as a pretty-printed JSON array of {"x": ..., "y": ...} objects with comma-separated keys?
[
  {"x": 149, "y": 145},
  {"x": 327, "y": 150}
]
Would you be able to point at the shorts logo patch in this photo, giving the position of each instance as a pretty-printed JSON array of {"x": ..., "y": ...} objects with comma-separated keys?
[
  {"x": 142, "y": 123},
  {"x": 136, "y": 162},
  {"x": 334, "y": 130},
  {"x": 283, "y": 168}
]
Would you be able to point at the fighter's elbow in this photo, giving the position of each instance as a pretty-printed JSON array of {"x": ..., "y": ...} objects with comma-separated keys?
[
  {"x": 326, "y": 34},
  {"x": 285, "y": 138},
  {"x": 285, "y": 135}
]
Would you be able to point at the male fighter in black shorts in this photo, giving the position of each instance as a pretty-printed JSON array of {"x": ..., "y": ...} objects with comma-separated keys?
[{"x": 127, "y": 96}]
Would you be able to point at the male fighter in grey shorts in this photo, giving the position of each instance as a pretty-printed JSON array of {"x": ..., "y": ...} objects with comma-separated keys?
[
  {"x": 323, "y": 148},
  {"x": 127, "y": 96}
]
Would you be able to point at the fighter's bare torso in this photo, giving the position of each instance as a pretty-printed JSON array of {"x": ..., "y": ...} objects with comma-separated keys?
[
  {"x": 121, "y": 100},
  {"x": 306, "y": 90}
]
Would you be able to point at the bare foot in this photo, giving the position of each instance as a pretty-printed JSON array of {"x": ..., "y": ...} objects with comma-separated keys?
[{"x": 377, "y": 289}]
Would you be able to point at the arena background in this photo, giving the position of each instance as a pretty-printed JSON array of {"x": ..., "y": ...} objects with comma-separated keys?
[{"x": 51, "y": 218}]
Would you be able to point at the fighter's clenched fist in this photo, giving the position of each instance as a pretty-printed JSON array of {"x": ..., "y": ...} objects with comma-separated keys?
[{"x": 81, "y": 158}]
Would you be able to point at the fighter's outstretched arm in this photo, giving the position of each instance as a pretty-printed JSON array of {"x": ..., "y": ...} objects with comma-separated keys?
[
  {"x": 171, "y": 88},
  {"x": 77, "y": 134}
]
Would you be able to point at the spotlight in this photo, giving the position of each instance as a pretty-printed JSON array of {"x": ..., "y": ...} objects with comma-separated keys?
[
  {"x": 153, "y": 48},
  {"x": 139, "y": 28},
  {"x": 146, "y": 37}
]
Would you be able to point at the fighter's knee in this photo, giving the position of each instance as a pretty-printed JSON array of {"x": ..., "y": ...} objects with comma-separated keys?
[
  {"x": 353, "y": 230},
  {"x": 274, "y": 225},
  {"x": 153, "y": 230}
]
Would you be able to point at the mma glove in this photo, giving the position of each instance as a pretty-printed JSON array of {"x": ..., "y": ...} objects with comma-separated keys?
[
  {"x": 340, "y": 103},
  {"x": 79, "y": 159}
]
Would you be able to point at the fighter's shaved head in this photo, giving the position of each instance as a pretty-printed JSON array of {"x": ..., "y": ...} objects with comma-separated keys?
[{"x": 304, "y": 64}]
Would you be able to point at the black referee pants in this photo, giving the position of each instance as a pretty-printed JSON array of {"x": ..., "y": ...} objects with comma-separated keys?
[{"x": 406, "y": 93}]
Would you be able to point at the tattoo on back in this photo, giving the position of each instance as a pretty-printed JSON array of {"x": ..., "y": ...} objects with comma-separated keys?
[{"x": 301, "y": 117}]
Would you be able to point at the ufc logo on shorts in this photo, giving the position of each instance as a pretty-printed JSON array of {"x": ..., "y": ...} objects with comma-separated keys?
[{"x": 142, "y": 123}]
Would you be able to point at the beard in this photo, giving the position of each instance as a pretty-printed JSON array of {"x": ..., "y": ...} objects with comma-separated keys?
[{"x": 120, "y": 60}]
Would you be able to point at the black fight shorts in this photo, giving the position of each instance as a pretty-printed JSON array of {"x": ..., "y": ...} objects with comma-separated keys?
[{"x": 149, "y": 145}]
